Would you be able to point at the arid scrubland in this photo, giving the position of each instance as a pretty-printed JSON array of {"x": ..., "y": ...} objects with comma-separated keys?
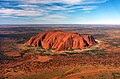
[{"x": 101, "y": 61}]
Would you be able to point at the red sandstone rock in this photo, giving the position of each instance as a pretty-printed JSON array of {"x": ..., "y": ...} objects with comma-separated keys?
[
  {"x": 89, "y": 39},
  {"x": 60, "y": 40}
]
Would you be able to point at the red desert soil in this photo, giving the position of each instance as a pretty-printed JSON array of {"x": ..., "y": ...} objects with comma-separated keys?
[
  {"x": 43, "y": 58},
  {"x": 15, "y": 53},
  {"x": 89, "y": 72},
  {"x": 60, "y": 40}
]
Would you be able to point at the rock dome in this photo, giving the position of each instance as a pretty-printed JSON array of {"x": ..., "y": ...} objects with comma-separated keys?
[{"x": 60, "y": 40}]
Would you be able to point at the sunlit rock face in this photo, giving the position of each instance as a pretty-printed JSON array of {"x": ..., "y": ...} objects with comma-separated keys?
[{"x": 60, "y": 40}]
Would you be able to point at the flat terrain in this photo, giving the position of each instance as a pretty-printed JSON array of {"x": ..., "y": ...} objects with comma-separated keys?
[{"x": 101, "y": 61}]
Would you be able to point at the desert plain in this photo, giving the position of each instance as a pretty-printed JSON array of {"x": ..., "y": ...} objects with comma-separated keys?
[{"x": 99, "y": 61}]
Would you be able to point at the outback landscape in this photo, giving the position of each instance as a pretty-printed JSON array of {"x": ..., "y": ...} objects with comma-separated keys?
[{"x": 26, "y": 54}]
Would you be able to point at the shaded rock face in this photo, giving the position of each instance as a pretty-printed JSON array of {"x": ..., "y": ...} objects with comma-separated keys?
[{"x": 60, "y": 40}]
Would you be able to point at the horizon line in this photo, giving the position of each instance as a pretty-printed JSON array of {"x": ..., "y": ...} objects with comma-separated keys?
[{"x": 59, "y": 24}]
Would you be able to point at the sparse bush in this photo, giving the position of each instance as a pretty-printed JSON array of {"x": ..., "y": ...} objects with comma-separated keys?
[
  {"x": 101, "y": 55},
  {"x": 63, "y": 54},
  {"x": 8, "y": 71},
  {"x": 22, "y": 53},
  {"x": 116, "y": 45},
  {"x": 72, "y": 52}
]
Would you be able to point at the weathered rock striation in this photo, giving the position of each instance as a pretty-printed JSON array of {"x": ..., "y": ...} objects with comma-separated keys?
[{"x": 60, "y": 40}]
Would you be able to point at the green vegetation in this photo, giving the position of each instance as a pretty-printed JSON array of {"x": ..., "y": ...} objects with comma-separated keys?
[
  {"x": 114, "y": 42},
  {"x": 100, "y": 55},
  {"x": 116, "y": 45},
  {"x": 96, "y": 52},
  {"x": 22, "y": 53},
  {"x": 29, "y": 47},
  {"x": 93, "y": 51},
  {"x": 71, "y": 52},
  {"x": 63, "y": 54},
  {"x": 8, "y": 71},
  {"x": 5, "y": 77}
]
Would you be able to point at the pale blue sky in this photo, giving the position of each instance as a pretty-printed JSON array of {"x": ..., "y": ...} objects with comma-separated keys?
[{"x": 59, "y": 11}]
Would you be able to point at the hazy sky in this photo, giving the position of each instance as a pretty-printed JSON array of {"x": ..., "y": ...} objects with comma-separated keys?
[{"x": 60, "y": 11}]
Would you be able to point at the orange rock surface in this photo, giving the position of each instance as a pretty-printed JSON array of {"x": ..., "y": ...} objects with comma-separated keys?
[{"x": 60, "y": 40}]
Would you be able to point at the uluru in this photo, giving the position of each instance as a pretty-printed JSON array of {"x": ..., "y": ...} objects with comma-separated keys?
[{"x": 60, "y": 40}]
